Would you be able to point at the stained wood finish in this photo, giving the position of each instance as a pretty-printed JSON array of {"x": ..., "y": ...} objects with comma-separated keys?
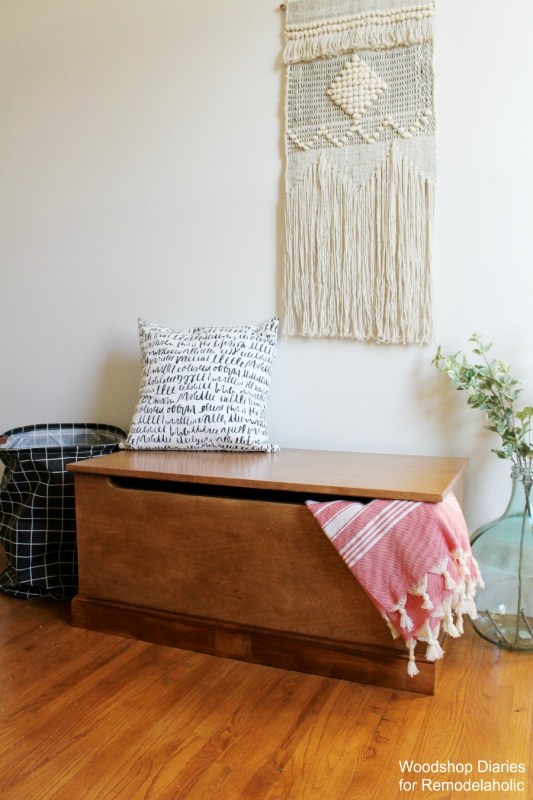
[
  {"x": 85, "y": 715},
  {"x": 216, "y": 549},
  {"x": 225, "y": 539},
  {"x": 266, "y": 564},
  {"x": 365, "y": 663},
  {"x": 246, "y": 578},
  {"x": 422, "y": 478}
]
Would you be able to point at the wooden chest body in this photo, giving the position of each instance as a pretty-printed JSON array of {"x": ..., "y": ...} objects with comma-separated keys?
[{"x": 217, "y": 552}]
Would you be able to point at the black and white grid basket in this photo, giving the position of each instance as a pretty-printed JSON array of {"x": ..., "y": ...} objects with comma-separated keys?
[{"x": 37, "y": 508}]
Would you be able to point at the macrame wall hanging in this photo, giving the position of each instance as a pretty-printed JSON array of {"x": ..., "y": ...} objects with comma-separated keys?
[{"x": 360, "y": 169}]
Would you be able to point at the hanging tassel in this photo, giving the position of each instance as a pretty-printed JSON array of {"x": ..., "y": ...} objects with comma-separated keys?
[
  {"x": 477, "y": 573},
  {"x": 460, "y": 557},
  {"x": 447, "y": 621},
  {"x": 394, "y": 633},
  {"x": 466, "y": 604},
  {"x": 470, "y": 606},
  {"x": 405, "y": 620},
  {"x": 449, "y": 582},
  {"x": 434, "y": 650},
  {"x": 412, "y": 669},
  {"x": 421, "y": 589}
]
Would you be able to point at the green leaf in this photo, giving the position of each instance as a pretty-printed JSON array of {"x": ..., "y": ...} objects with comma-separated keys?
[{"x": 491, "y": 388}]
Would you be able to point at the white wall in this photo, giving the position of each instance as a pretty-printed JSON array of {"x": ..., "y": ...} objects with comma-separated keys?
[{"x": 141, "y": 174}]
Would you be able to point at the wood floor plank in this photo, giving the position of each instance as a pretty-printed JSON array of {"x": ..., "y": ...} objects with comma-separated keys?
[
  {"x": 52, "y": 659},
  {"x": 56, "y": 725},
  {"x": 249, "y": 732},
  {"x": 466, "y": 721},
  {"x": 320, "y": 757},
  {"x": 94, "y": 717},
  {"x": 166, "y": 740}
]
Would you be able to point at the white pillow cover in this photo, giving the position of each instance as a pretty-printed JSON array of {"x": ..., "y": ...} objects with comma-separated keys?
[{"x": 204, "y": 388}]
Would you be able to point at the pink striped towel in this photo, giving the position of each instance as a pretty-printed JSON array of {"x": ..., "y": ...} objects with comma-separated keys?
[{"x": 413, "y": 560}]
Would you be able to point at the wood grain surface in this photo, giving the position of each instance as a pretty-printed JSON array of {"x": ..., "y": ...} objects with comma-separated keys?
[
  {"x": 266, "y": 564},
  {"x": 225, "y": 539},
  {"x": 232, "y": 576},
  {"x": 422, "y": 478},
  {"x": 377, "y": 664},
  {"x": 86, "y": 715}
]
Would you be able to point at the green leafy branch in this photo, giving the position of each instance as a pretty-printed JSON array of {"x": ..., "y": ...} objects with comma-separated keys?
[{"x": 491, "y": 388}]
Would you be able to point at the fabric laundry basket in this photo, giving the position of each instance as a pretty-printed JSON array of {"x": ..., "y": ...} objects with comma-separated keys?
[{"x": 37, "y": 509}]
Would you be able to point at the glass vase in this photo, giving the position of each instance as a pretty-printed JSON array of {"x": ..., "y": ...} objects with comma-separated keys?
[{"x": 504, "y": 551}]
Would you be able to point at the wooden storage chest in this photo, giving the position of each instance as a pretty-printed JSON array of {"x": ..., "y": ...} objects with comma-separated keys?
[{"x": 217, "y": 552}]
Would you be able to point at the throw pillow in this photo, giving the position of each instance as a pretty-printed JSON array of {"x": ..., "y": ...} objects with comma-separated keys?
[{"x": 204, "y": 388}]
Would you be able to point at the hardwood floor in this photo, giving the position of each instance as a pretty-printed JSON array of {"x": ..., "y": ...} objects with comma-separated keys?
[{"x": 86, "y": 716}]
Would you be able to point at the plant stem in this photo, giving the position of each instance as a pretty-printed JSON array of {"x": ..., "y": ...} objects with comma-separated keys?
[
  {"x": 508, "y": 415},
  {"x": 526, "y": 518},
  {"x": 526, "y": 622},
  {"x": 498, "y": 629}
]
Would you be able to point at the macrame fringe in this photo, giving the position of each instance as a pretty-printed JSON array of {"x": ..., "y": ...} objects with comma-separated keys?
[
  {"x": 459, "y": 601},
  {"x": 308, "y": 45},
  {"x": 358, "y": 258}
]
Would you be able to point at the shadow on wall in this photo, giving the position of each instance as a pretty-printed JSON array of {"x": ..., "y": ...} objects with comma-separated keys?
[
  {"x": 279, "y": 68},
  {"x": 453, "y": 422},
  {"x": 463, "y": 434},
  {"x": 115, "y": 395},
  {"x": 443, "y": 409}
]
